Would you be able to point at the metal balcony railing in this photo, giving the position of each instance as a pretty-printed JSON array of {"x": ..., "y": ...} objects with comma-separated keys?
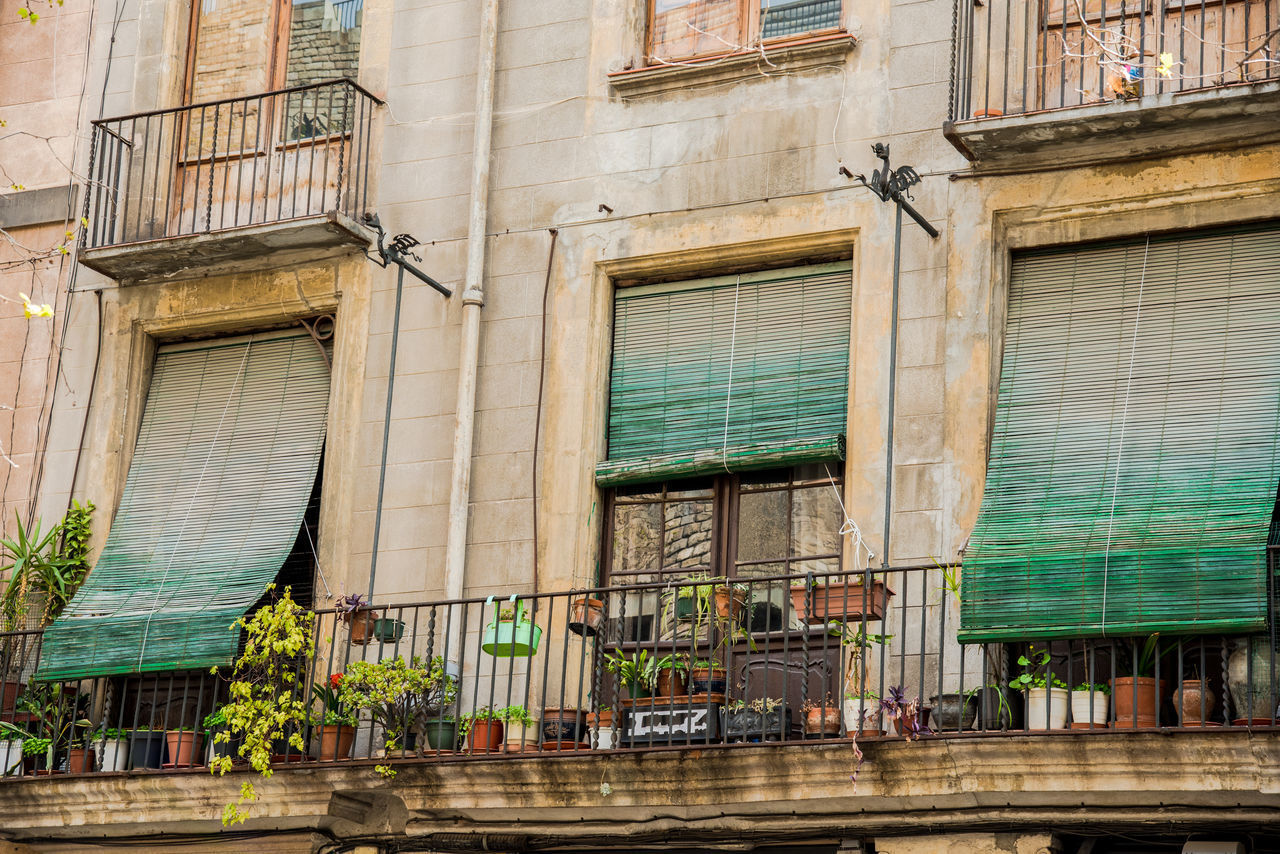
[
  {"x": 1012, "y": 57},
  {"x": 659, "y": 666},
  {"x": 228, "y": 164}
]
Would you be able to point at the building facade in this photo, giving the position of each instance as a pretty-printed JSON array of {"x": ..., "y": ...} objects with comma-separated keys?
[{"x": 826, "y": 361}]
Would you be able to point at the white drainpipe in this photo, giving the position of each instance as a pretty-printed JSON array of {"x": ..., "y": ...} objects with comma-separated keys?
[{"x": 472, "y": 300}]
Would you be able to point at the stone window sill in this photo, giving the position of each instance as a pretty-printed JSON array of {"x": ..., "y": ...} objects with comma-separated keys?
[{"x": 727, "y": 68}]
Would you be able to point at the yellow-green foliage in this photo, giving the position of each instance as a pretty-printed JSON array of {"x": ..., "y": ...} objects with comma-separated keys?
[{"x": 267, "y": 703}]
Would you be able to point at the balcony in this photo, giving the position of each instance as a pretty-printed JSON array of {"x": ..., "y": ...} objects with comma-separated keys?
[
  {"x": 1076, "y": 82},
  {"x": 213, "y": 187}
]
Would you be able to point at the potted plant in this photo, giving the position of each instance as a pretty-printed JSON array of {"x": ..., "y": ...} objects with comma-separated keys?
[
  {"x": 1194, "y": 700},
  {"x": 36, "y": 753},
  {"x": 511, "y": 633},
  {"x": 335, "y": 725},
  {"x": 861, "y": 711},
  {"x": 1137, "y": 696},
  {"x": 670, "y": 675},
  {"x": 1251, "y": 682},
  {"x": 821, "y": 718},
  {"x": 1090, "y": 704},
  {"x": 146, "y": 748},
  {"x": 854, "y": 643},
  {"x": 635, "y": 672},
  {"x": 183, "y": 745},
  {"x": 53, "y": 708},
  {"x": 112, "y": 745},
  {"x": 762, "y": 719},
  {"x": 586, "y": 616},
  {"x": 484, "y": 730},
  {"x": 817, "y": 600},
  {"x": 388, "y": 629},
  {"x": 44, "y": 569},
  {"x": 1047, "y": 698},
  {"x": 439, "y": 727},
  {"x": 909, "y": 718},
  {"x": 521, "y": 733},
  {"x": 393, "y": 691},
  {"x": 11, "y": 738},
  {"x": 600, "y": 723},
  {"x": 264, "y": 705},
  {"x": 355, "y": 614},
  {"x": 562, "y": 729}
]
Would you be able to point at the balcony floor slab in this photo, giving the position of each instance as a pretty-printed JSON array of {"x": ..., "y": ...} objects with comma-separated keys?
[
  {"x": 231, "y": 250},
  {"x": 1154, "y": 126}
]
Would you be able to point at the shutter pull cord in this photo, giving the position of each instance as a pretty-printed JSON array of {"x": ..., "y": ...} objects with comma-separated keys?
[{"x": 1124, "y": 420}]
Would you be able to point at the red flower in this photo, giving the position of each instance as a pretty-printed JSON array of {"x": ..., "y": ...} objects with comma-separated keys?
[{"x": 335, "y": 680}]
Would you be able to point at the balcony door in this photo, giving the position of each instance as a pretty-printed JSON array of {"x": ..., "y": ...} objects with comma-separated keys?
[{"x": 261, "y": 137}]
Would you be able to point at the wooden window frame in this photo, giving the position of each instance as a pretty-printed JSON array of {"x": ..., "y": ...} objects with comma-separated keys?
[
  {"x": 725, "y": 495},
  {"x": 748, "y": 37}
]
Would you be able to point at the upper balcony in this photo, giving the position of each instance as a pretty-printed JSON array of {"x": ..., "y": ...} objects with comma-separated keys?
[
  {"x": 1076, "y": 82},
  {"x": 215, "y": 186}
]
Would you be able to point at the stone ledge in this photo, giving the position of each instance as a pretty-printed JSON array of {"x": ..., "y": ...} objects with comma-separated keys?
[
  {"x": 231, "y": 250},
  {"x": 1062, "y": 779},
  {"x": 1172, "y": 123},
  {"x": 729, "y": 68}
]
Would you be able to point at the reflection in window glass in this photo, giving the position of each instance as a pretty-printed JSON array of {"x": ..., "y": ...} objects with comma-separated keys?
[
  {"x": 762, "y": 526},
  {"x": 793, "y": 17},
  {"x": 688, "y": 534},
  {"x": 324, "y": 44},
  {"x": 815, "y": 522},
  {"x": 689, "y": 27},
  {"x": 637, "y": 532}
]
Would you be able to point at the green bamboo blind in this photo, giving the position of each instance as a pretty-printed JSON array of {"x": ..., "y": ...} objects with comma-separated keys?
[
  {"x": 768, "y": 350},
  {"x": 225, "y": 462},
  {"x": 1132, "y": 480}
]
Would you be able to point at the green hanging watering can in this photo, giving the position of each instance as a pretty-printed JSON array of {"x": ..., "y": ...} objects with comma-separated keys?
[{"x": 513, "y": 635}]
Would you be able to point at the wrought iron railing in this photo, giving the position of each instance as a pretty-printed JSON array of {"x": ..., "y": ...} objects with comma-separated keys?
[
  {"x": 228, "y": 164},
  {"x": 1012, "y": 57},
  {"x": 655, "y": 666}
]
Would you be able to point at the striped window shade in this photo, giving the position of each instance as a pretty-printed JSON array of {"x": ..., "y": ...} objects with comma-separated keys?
[
  {"x": 728, "y": 374},
  {"x": 225, "y": 462},
  {"x": 1136, "y": 451}
]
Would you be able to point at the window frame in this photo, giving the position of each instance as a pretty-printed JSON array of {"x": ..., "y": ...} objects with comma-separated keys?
[
  {"x": 726, "y": 491},
  {"x": 748, "y": 35}
]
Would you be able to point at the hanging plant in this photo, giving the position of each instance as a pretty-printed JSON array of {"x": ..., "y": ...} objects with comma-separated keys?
[{"x": 267, "y": 701}]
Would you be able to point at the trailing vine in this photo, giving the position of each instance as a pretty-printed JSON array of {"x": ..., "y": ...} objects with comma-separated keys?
[{"x": 267, "y": 702}]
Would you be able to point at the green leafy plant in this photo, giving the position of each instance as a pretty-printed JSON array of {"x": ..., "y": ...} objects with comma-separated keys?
[
  {"x": 265, "y": 706},
  {"x": 1094, "y": 687},
  {"x": 54, "y": 710},
  {"x": 397, "y": 694},
  {"x": 1139, "y": 660},
  {"x": 51, "y": 564},
  {"x": 762, "y": 705},
  {"x": 1034, "y": 674},
  {"x": 635, "y": 670},
  {"x": 509, "y": 715},
  {"x": 332, "y": 711}
]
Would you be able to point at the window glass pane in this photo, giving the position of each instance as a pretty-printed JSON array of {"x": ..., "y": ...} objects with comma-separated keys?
[
  {"x": 756, "y": 480},
  {"x": 324, "y": 43},
  {"x": 827, "y": 564},
  {"x": 232, "y": 50},
  {"x": 769, "y": 600},
  {"x": 791, "y": 17},
  {"x": 688, "y": 534},
  {"x": 762, "y": 525},
  {"x": 689, "y": 27},
  {"x": 637, "y": 531},
  {"x": 815, "y": 521},
  {"x": 699, "y": 487}
]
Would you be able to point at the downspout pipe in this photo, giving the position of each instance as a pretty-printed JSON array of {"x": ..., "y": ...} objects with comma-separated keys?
[{"x": 472, "y": 300}]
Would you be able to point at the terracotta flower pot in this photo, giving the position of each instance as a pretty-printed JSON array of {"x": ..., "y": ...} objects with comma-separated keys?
[
  {"x": 823, "y": 721},
  {"x": 183, "y": 748},
  {"x": 586, "y": 617},
  {"x": 360, "y": 626},
  {"x": 670, "y": 683},
  {"x": 1145, "y": 711},
  {"x": 336, "y": 741},
  {"x": 1190, "y": 699},
  {"x": 81, "y": 760},
  {"x": 485, "y": 737},
  {"x": 839, "y": 602}
]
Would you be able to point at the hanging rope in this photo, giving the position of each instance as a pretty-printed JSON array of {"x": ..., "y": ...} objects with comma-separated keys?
[
  {"x": 733, "y": 346},
  {"x": 849, "y": 528},
  {"x": 1124, "y": 418}
]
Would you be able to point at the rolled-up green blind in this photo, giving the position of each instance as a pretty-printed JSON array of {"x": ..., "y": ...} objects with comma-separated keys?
[
  {"x": 732, "y": 373},
  {"x": 1136, "y": 451},
  {"x": 225, "y": 462}
]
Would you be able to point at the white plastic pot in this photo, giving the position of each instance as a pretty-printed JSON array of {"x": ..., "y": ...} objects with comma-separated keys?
[
  {"x": 1083, "y": 704},
  {"x": 114, "y": 753},
  {"x": 1047, "y": 708},
  {"x": 10, "y": 758},
  {"x": 605, "y": 736}
]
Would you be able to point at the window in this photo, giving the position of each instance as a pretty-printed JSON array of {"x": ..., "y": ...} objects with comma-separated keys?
[{"x": 679, "y": 29}]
